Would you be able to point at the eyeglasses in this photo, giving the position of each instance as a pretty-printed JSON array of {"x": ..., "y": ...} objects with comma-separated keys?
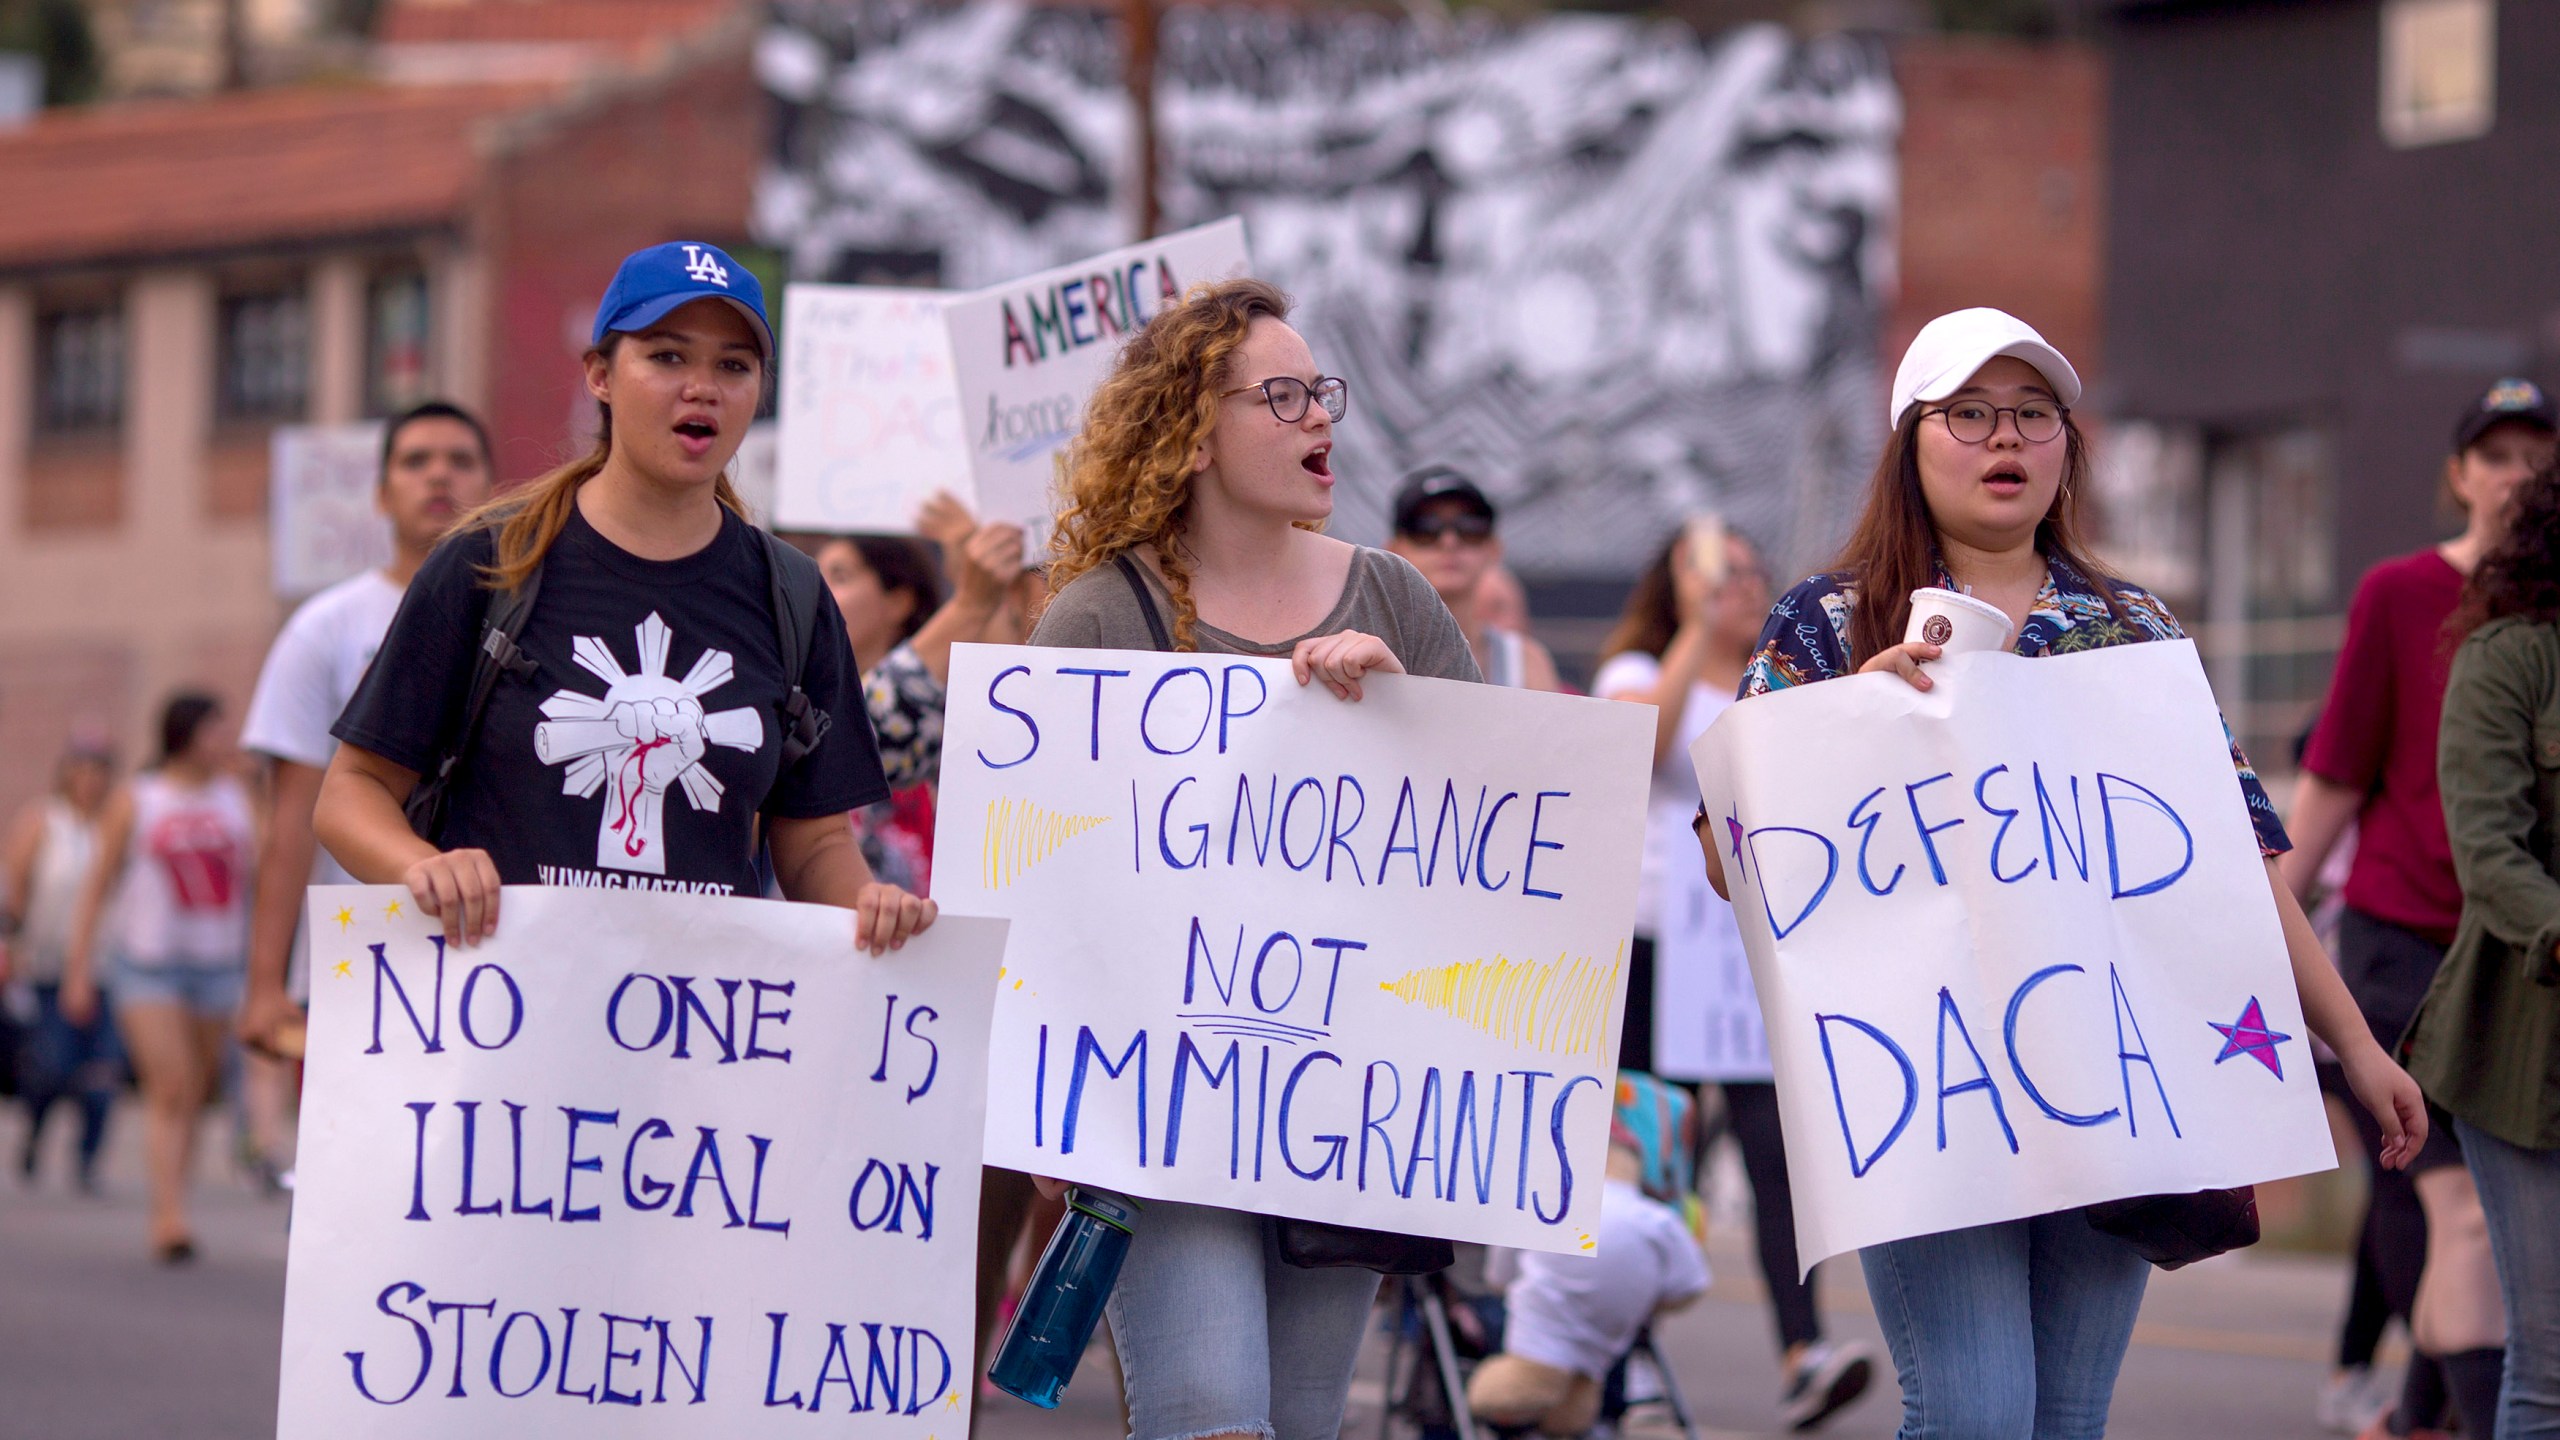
[
  {"x": 1288, "y": 396},
  {"x": 1972, "y": 422},
  {"x": 1467, "y": 525}
]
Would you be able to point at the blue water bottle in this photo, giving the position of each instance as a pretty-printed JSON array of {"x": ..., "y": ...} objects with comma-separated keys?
[{"x": 1064, "y": 1300}]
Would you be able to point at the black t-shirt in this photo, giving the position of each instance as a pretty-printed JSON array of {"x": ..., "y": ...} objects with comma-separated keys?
[{"x": 638, "y": 753}]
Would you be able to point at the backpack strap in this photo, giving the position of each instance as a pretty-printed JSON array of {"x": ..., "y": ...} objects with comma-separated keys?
[
  {"x": 1146, "y": 600},
  {"x": 497, "y": 657},
  {"x": 798, "y": 590}
]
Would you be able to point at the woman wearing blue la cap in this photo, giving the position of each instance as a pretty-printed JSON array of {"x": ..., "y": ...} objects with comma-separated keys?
[{"x": 651, "y": 717}]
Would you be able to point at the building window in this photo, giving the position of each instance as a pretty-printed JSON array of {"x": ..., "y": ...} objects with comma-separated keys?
[
  {"x": 395, "y": 343},
  {"x": 80, "y": 369},
  {"x": 2439, "y": 70},
  {"x": 266, "y": 356}
]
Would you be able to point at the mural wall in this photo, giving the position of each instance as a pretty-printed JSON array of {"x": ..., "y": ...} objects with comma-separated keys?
[{"x": 1616, "y": 271}]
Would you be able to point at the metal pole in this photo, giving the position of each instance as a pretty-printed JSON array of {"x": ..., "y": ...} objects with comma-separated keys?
[{"x": 1138, "y": 17}]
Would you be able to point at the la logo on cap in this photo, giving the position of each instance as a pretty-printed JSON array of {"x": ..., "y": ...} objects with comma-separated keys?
[{"x": 705, "y": 267}]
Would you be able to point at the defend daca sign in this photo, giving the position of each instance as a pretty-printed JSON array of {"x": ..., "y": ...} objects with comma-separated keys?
[
  {"x": 642, "y": 1164},
  {"x": 2013, "y": 940}
]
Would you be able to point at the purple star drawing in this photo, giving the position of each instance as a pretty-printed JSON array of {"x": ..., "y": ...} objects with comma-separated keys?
[
  {"x": 1733, "y": 829},
  {"x": 2250, "y": 1036}
]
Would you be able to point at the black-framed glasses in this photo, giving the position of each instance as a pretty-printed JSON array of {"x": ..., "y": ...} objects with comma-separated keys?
[
  {"x": 1972, "y": 422},
  {"x": 1288, "y": 396},
  {"x": 1430, "y": 526}
]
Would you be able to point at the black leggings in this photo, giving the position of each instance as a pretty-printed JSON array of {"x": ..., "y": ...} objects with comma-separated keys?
[{"x": 1753, "y": 1108}]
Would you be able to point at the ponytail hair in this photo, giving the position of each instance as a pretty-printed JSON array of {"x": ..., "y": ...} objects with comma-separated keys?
[{"x": 530, "y": 518}]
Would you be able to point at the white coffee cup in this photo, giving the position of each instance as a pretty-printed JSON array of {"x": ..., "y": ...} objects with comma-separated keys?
[{"x": 1956, "y": 623}]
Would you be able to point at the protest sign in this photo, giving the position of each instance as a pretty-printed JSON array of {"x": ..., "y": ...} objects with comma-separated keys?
[
  {"x": 751, "y": 472},
  {"x": 642, "y": 1164},
  {"x": 869, "y": 411},
  {"x": 1279, "y": 952},
  {"x": 1027, "y": 355},
  {"x": 2013, "y": 939},
  {"x": 1706, "y": 1016},
  {"x": 322, "y": 522}
]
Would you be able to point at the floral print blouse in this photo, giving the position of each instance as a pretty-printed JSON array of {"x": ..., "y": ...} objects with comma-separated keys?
[
  {"x": 896, "y": 835},
  {"x": 1807, "y": 639}
]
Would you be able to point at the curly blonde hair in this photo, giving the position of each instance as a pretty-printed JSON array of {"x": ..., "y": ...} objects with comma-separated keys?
[{"x": 1127, "y": 476}]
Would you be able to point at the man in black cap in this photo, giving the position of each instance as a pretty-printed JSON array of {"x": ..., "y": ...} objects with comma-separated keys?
[{"x": 1445, "y": 526}]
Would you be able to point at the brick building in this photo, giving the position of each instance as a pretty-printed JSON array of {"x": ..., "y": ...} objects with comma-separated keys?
[{"x": 201, "y": 271}]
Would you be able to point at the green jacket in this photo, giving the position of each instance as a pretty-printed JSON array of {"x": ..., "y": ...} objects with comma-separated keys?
[{"x": 2486, "y": 1041}]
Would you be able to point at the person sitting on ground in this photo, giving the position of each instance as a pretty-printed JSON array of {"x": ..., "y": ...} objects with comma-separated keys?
[{"x": 1568, "y": 1318}]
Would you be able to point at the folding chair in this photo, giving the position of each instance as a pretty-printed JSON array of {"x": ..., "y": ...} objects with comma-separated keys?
[{"x": 1424, "y": 1301}]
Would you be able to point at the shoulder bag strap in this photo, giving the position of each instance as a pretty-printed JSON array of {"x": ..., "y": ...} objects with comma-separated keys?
[
  {"x": 798, "y": 590},
  {"x": 497, "y": 656},
  {"x": 1146, "y": 600}
]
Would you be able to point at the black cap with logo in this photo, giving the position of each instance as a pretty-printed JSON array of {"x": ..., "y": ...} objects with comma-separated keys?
[
  {"x": 1437, "y": 482},
  {"x": 2509, "y": 401}
]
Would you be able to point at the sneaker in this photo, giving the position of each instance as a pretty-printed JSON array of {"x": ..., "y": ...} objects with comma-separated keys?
[
  {"x": 1827, "y": 1377},
  {"x": 2352, "y": 1399}
]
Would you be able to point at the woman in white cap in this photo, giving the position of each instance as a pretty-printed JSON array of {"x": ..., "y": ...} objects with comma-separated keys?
[
  {"x": 2016, "y": 1329},
  {"x": 666, "y": 696}
]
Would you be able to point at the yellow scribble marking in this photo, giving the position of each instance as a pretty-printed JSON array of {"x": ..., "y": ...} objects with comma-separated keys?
[
  {"x": 391, "y": 911},
  {"x": 1560, "y": 1006},
  {"x": 346, "y": 918},
  {"x": 345, "y": 969},
  {"x": 1588, "y": 1243},
  {"x": 1021, "y": 834}
]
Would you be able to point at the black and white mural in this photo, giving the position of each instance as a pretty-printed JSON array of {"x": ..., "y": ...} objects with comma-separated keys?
[{"x": 1617, "y": 271}]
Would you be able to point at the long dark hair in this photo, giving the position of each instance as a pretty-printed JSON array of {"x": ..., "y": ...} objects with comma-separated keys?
[
  {"x": 1652, "y": 613},
  {"x": 903, "y": 564},
  {"x": 182, "y": 719},
  {"x": 2521, "y": 573},
  {"x": 1894, "y": 549}
]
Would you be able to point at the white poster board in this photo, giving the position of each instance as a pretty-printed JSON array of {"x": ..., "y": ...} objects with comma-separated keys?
[
  {"x": 2014, "y": 942},
  {"x": 869, "y": 410},
  {"x": 1278, "y": 952},
  {"x": 1706, "y": 1015},
  {"x": 642, "y": 1165},
  {"x": 1028, "y": 354},
  {"x": 752, "y": 472},
  {"x": 322, "y": 524}
]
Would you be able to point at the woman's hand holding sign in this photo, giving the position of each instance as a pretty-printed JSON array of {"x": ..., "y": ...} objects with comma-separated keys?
[
  {"x": 1339, "y": 660},
  {"x": 886, "y": 917},
  {"x": 459, "y": 887},
  {"x": 1904, "y": 660}
]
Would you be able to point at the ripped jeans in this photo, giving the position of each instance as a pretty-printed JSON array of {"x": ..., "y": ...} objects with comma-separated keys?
[{"x": 1217, "y": 1336}]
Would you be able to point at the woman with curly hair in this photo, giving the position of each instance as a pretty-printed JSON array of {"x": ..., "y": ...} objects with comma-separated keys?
[
  {"x": 2486, "y": 1041},
  {"x": 1198, "y": 489}
]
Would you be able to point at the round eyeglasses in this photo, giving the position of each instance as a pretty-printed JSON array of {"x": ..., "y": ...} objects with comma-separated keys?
[
  {"x": 1288, "y": 396},
  {"x": 1972, "y": 422}
]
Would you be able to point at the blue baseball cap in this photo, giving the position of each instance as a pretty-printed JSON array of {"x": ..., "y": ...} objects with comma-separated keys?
[{"x": 655, "y": 282}]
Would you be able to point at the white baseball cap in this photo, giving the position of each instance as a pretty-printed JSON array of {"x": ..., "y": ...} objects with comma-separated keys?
[{"x": 1946, "y": 352}]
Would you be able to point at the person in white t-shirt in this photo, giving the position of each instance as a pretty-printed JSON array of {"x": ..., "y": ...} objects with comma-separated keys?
[
  {"x": 435, "y": 468},
  {"x": 1689, "y": 627}
]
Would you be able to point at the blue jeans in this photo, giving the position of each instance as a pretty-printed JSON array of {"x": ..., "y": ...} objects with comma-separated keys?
[
  {"x": 1217, "y": 1335},
  {"x": 58, "y": 1060},
  {"x": 2520, "y": 1191},
  {"x": 2012, "y": 1331}
]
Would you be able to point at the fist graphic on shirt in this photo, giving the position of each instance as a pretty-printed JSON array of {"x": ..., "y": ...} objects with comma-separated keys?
[{"x": 667, "y": 736}]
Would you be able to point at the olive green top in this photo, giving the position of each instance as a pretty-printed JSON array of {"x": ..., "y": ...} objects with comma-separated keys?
[
  {"x": 2486, "y": 1041},
  {"x": 1382, "y": 596}
]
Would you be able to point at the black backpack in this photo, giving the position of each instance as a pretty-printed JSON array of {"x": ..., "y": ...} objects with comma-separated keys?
[{"x": 798, "y": 591}]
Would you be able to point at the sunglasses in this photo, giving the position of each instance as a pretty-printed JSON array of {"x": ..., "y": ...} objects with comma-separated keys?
[{"x": 1467, "y": 525}]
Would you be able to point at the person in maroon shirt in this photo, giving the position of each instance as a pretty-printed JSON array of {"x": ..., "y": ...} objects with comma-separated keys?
[{"x": 2372, "y": 762}]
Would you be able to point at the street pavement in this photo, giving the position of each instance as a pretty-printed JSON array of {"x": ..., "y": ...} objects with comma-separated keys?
[{"x": 99, "y": 1343}]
